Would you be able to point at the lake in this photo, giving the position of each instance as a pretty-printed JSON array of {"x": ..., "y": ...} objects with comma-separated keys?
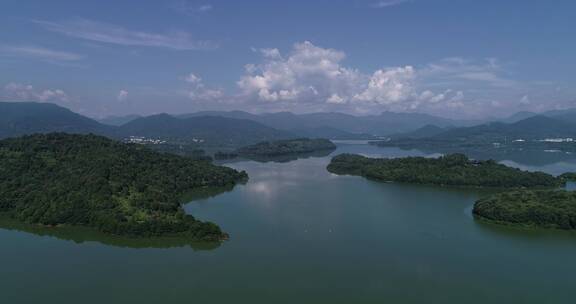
[{"x": 299, "y": 234}]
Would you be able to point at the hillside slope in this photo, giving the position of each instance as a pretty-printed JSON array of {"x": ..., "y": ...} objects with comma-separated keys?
[
  {"x": 21, "y": 118},
  {"x": 88, "y": 180}
]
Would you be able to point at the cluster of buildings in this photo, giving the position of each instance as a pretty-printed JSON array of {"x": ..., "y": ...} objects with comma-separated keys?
[
  {"x": 558, "y": 140},
  {"x": 144, "y": 141},
  {"x": 550, "y": 140}
]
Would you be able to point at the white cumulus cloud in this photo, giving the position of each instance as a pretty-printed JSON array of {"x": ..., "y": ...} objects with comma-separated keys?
[
  {"x": 25, "y": 92},
  {"x": 308, "y": 74},
  {"x": 389, "y": 86},
  {"x": 122, "y": 95},
  {"x": 313, "y": 75},
  {"x": 196, "y": 90},
  {"x": 193, "y": 79}
]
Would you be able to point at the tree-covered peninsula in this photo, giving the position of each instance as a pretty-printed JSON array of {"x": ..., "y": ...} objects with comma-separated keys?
[
  {"x": 124, "y": 189},
  {"x": 530, "y": 208},
  {"x": 285, "y": 147},
  {"x": 453, "y": 170}
]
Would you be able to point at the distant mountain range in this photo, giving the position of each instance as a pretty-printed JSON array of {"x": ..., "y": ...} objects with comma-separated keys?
[
  {"x": 21, "y": 118},
  {"x": 219, "y": 127},
  {"x": 528, "y": 133},
  {"x": 118, "y": 120},
  {"x": 423, "y": 132},
  {"x": 237, "y": 128},
  {"x": 375, "y": 125},
  {"x": 535, "y": 127},
  {"x": 567, "y": 115},
  {"x": 325, "y": 125},
  {"x": 385, "y": 124}
]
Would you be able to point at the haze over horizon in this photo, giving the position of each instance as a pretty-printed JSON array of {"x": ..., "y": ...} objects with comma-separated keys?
[{"x": 456, "y": 59}]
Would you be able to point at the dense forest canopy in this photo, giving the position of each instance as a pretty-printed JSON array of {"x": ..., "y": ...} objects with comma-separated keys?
[
  {"x": 453, "y": 169},
  {"x": 545, "y": 208},
  {"x": 118, "y": 188}
]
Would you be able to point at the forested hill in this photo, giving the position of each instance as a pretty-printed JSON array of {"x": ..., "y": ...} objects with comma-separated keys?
[
  {"x": 22, "y": 118},
  {"x": 545, "y": 208},
  {"x": 454, "y": 169},
  {"x": 89, "y": 180}
]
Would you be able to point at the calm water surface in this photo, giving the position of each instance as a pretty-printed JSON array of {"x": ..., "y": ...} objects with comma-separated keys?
[{"x": 302, "y": 235}]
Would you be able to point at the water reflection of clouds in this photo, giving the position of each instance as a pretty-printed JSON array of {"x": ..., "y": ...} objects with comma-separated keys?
[
  {"x": 268, "y": 190},
  {"x": 263, "y": 189},
  {"x": 297, "y": 170}
]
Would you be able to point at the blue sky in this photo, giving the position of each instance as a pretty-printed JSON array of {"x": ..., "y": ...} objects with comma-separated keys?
[{"x": 454, "y": 58}]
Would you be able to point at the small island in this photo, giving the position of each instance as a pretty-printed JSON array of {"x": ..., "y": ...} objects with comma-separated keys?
[
  {"x": 286, "y": 147},
  {"x": 123, "y": 189},
  {"x": 528, "y": 208},
  {"x": 450, "y": 170}
]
